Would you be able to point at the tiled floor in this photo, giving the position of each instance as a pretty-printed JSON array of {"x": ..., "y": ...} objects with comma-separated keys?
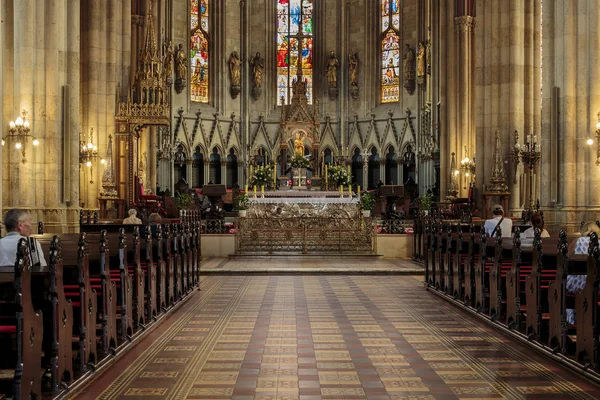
[
  {"x": 330, "y": 337},
  {"x": 369, "y": 265}
]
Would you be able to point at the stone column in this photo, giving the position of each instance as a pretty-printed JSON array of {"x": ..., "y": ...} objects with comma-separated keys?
[{"x": 464, "y": 22}]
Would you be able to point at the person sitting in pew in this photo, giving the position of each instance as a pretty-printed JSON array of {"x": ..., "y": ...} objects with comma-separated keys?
[
  {"x": 18, "y": 226},
  {"x": 498, "y": 222},
  {"x": 537, "y": 221},
  {"x": 132, "y": 219},
  {"x": 154, "y": 219},
  {"x": 582, "y": 246}
]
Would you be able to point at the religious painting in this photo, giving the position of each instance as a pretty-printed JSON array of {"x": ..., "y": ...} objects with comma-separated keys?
[
  {"x": 390, "y": 51},
  {"x": 199, "y": 51},
  {"x": 294, "y": 20}
]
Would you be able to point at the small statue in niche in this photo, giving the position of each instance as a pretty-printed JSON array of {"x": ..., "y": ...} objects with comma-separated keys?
[
  {"x": 181, "y": 69},
  {"x": 234, "y": 72},
  {"x": 421, "y": 69},
  {"x": 168, "y": 61},
  {"x": 332, "y": 67},
  {"x": 258, "y": 65},
  {"x": 408, "y": 165},
  {"x": 409, "y": 69},
  {"x": 353, "y": 73}
]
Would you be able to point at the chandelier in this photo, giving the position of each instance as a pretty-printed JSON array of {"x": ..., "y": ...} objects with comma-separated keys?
[
  {"x": 429, "y": 151},
  {"x": 88, "y": 153},
  {"x": 468, "y": 165},
  {"x": 167, "y": 149},
  {"x": 18, "y": 132}
]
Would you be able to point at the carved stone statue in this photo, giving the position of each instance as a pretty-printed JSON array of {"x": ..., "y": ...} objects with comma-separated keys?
[
  {"x": 409, "y": 69},
  {"x": 421, "y": 64},
  {"x": 332, "y": 67},
  {"x": 258, "y": 65},
  {"x": 181, "y": 69},
  {"x": 353, "y": 73},
  {"x": 298, "y": 145},
  {"x": 234, "y": 73},
  {"x": 168, "y": 61}
]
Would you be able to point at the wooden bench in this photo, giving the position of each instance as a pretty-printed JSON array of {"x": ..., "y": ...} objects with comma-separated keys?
[{"x": 23, "y": 324}]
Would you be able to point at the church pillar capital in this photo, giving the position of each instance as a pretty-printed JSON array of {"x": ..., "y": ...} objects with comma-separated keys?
[{"x": 465, "y": 23}]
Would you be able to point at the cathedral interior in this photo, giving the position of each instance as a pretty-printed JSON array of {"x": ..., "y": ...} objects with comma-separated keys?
[{"x": 193, "y": 109}]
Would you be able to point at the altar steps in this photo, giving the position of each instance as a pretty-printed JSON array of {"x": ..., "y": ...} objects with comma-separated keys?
[{"x": 313, "y": 264}]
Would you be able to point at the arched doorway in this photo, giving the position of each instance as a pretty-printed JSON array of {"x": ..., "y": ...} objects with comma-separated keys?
[
  {"x": 261, "y": 157},
  {"x": 328, "y": 156},
  {"x": 373, "y": 172},
  {"x": 232, "y": 169},
  {"x": 198, "y": 168},
  {"x": 391, "y": 167},
  {"x": 357, "y": 168},
  {"x": 215, "y": 166}
]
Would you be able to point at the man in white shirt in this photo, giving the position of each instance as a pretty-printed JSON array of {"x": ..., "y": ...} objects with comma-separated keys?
[
  {"x": 498, "y": 222},
  {"x": 18, "y": 226}
]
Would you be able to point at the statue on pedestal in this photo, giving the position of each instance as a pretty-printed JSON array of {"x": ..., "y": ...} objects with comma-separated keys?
[
  {"x": 332, "y": 66},
  {"x": 234, "y": 73},
  {"x": 258, "y": 65},
  {"x": 298, "y": 145},
  {"x": 409, "y": 69},
  {"x": 181, "y": 69},
  {"x": 353, "y": 72}
]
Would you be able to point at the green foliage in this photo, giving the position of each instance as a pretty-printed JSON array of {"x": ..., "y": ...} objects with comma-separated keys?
[
  {"x": 367, "y": 202},
  {"x": 338, "y": 175},
  {"x": 262, "y": 176},
  {"x": 183, "y": 201},
  {"x": 299, "y": 162},
  {"x": 426, "y": 200},
  {"x": 242, "y": 201}
]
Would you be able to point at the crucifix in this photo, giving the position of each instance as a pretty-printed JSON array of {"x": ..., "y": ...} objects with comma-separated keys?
[{"x": 299, "y": 36}]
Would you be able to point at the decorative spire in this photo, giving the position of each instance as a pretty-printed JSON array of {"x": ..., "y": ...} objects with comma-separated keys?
[
  {"x": 498, "y": 179},
  {"x": 148, "y": 100},
  {"x": 108, "y": 176}
]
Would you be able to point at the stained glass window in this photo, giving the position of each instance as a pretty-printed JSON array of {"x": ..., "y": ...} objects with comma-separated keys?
[
  {"x": 390, "y": 51},
  {"x": 294, "y": 26},
  {"x": 199, "y": 50}
]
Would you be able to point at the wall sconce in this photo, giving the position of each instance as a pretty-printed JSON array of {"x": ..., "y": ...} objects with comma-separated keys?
[
  {"x": 88, "y": 153},
  {"x": 18, "y": 132},
  {"x": 590, "y": 141}
]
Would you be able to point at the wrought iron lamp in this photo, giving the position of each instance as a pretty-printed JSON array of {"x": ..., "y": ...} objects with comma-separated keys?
[
  {"x": 529, "y": 154},
  {"x": 88, "y": 153},
  {"x": 167, "y": 148},
  {"x": 467, "y": 165},
  {"x": 19, "y": 133}
]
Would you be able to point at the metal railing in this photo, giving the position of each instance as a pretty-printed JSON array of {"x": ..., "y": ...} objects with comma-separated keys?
[{"x": 305, "y": 235}]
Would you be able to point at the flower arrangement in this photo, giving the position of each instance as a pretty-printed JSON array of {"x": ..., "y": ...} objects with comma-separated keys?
[
  {"x": 338, "y": 175},
  {"x": 299, "y": 161},
  {"x": 426, "y": 200},
  {"x": 262, "y": 176},
  {"x": 242, "y": 201},
  {"x": 367, "y": 202}
]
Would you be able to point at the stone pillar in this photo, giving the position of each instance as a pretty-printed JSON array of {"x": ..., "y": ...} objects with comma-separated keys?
[
  {"x": 151, "y": 167},
  {"x": 464, "y": 22}
]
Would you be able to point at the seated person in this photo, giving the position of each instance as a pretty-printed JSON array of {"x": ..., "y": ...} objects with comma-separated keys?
[
  {"x": 582, "y": 245},
  {"x": 18, "y": 226},
  {"x": 154, "y": 219},
  {"x": 498, "y": 222},
  {"x": 537, "y": 222},
  {"x": 132, "y": 219}
]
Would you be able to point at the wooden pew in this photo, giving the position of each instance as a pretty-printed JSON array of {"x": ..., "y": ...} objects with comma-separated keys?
[
  {"x": 486, "y": 251},
  {"x": 502, "y": 264},
  {"x": 515, "y": 281},
  {"x": 26, "y": 325},
  {"x": 469, "y": 264},
  {"x": 62, "y": 321},
  {"x": 152, "y": 288},
  {"x": 586, "y": 311}
]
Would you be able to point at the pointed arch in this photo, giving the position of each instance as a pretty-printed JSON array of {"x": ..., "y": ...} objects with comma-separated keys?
[
  {"x": 390, "y": 51},
  {"x": 293, "y": 18},
  {"x": 199, "y": 50}
]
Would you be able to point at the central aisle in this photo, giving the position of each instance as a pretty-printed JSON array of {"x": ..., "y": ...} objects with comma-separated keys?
[{"x": 330, "y": 337}]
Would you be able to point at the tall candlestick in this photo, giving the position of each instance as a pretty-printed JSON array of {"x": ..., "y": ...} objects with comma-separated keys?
[
  {"x": 262, "y": 191},
  {"x": 358, "y": 191},
  {"x": 251, "y": 170},
  {"x": 341, "y": 190},
  {"x": 246, "y": 189},
  {"x": 326, "y": 176},
  {"x": 274, "y": 177},
  {"x": 254, "y": 191}
]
